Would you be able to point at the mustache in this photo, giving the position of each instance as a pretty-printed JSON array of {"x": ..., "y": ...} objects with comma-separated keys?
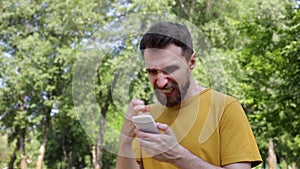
[{"x": 169, "y": 85}]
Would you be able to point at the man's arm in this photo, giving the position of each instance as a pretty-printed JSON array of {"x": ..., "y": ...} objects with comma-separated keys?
[
  {"x": 164, "y": 147},
  {"x": 126, "y": 158},
  {"x": 189, "y": 160}
]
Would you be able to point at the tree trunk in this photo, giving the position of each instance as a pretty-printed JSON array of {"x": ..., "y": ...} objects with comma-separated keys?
[
  {"x": 22, "y": 141},
  {"x": 20, "y": 145},
  {"x": 94, "y": 158},
  {"x": 66, "y": 160},
  {"x": 39, "y": 161},
  {"x": 100, "y": 142},
  {"x": 21, "y": 137},
  {"x": 272, "y": 161},
  {"x": 42, "y": 150},
  {"x": 104, "y": 110},
  {"x": 13, "y": 156},
  {"x": 23, "y": 164},
  {"x": 99, "y": 153}
]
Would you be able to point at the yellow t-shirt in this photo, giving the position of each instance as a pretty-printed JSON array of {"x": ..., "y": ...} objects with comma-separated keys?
[{"x": 212, "y": 126}]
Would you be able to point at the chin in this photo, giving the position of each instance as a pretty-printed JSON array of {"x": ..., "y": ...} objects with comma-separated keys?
[{"x": 170, "y": 102}]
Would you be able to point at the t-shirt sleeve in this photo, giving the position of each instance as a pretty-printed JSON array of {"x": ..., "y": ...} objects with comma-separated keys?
[{"x": 237, "y": 140}]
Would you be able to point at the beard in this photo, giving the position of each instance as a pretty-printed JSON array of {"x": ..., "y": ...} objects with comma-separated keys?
[{"x": 175, "y": 97}]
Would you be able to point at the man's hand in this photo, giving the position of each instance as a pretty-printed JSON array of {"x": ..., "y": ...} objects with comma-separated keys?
[
  {"x": 126, "y": 158},
  {"x": 162, "y": 147},
  {"x": 136, "y": 107}
]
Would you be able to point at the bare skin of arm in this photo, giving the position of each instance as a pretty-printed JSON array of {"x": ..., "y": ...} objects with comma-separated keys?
[
  {"x": 126, "y": 158},
  {"x": 164, "y": 147}
]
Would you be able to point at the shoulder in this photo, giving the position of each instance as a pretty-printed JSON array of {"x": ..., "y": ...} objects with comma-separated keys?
[{"x": 222, "y": 98}]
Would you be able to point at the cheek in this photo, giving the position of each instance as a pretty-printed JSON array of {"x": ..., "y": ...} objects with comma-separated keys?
[
  {"x": 177, "y": 77},
  {"x": 151, "y": 79},
  {"x": 180, "y": 77}
]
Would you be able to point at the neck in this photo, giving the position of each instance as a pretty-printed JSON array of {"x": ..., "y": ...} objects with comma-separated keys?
[{"x": 194, "y": 89}]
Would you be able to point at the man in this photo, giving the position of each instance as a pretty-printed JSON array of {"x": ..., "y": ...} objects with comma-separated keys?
[{"x": 200, "y": 128}]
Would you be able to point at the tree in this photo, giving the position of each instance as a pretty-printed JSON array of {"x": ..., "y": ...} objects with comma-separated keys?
[
  {"x": 270, "y": 84},
  {"x": 43, "y": 44},
  {"x": 39, "y": 40}
]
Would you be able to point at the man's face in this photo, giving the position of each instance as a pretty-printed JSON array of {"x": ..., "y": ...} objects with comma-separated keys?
[{"x": 168, "y": 73}]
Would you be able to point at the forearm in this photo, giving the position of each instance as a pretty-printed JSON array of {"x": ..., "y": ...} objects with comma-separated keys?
[
  {"x": 126, "y": 157},
  {"x": 125, "y": 163},
  {"x": 189, "y": 160}
]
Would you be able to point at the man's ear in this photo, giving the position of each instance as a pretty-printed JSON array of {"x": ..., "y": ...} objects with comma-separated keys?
[{"x": 192, "y": 61}]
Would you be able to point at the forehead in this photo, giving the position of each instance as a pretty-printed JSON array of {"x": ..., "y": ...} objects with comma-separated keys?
[{"x": 158, "y": 58}]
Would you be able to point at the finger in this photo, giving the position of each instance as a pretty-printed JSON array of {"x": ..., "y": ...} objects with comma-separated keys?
[
  {"x": 140, "y": 134},
  {"x": 144, "y": 135},
  {"x": 141, "y": 109},
  {"x": 148, "y": 108},
  {"x": 145, "y": 110},
  {"x": 135, "y": 102},
  {"x": 152, "y": 147},
  {"x": 165, "y": 128}
]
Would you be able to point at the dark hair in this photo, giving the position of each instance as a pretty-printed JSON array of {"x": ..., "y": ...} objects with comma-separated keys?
[{"x": 164, "y": 33}]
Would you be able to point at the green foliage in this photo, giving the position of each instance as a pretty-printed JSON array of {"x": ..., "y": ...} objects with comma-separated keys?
[
  {"x": 68, "y": 143},
  {"x": 271, "y": 59},
  {"x": 5, "y": 150},
  {"x": 44, "y": 43},
  {"x": 258, "y": 44},
  {"x": 39, "y": 42}
]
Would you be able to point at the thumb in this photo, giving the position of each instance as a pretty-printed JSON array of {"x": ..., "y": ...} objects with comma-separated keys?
[
  {"x": 147, "y": 108},
  {"x": 165, "y": 128}
]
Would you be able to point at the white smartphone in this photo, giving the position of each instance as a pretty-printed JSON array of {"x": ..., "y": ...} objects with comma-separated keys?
[{"x": 146, "y": 123}]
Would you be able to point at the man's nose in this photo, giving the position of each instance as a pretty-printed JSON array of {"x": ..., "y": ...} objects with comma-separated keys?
[{"x": 161, "y": 80}]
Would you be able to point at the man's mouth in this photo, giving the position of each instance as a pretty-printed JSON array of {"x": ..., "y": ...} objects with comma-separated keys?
[{"x": 167, "y": 90}]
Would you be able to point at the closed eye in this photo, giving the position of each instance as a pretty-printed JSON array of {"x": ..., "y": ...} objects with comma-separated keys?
[
  {"x": 166, "y": 70},
  {"x": 170, "y": 69},
  {"x": 152, "y": 71}
]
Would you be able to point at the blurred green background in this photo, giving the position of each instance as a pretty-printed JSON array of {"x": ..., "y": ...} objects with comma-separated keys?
[{"x": 40, "y": 42}]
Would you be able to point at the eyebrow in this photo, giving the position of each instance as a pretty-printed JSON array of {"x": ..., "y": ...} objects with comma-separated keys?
[
  {"x": 167, "y": 69},
  {"x": 171, "y": 68}
]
